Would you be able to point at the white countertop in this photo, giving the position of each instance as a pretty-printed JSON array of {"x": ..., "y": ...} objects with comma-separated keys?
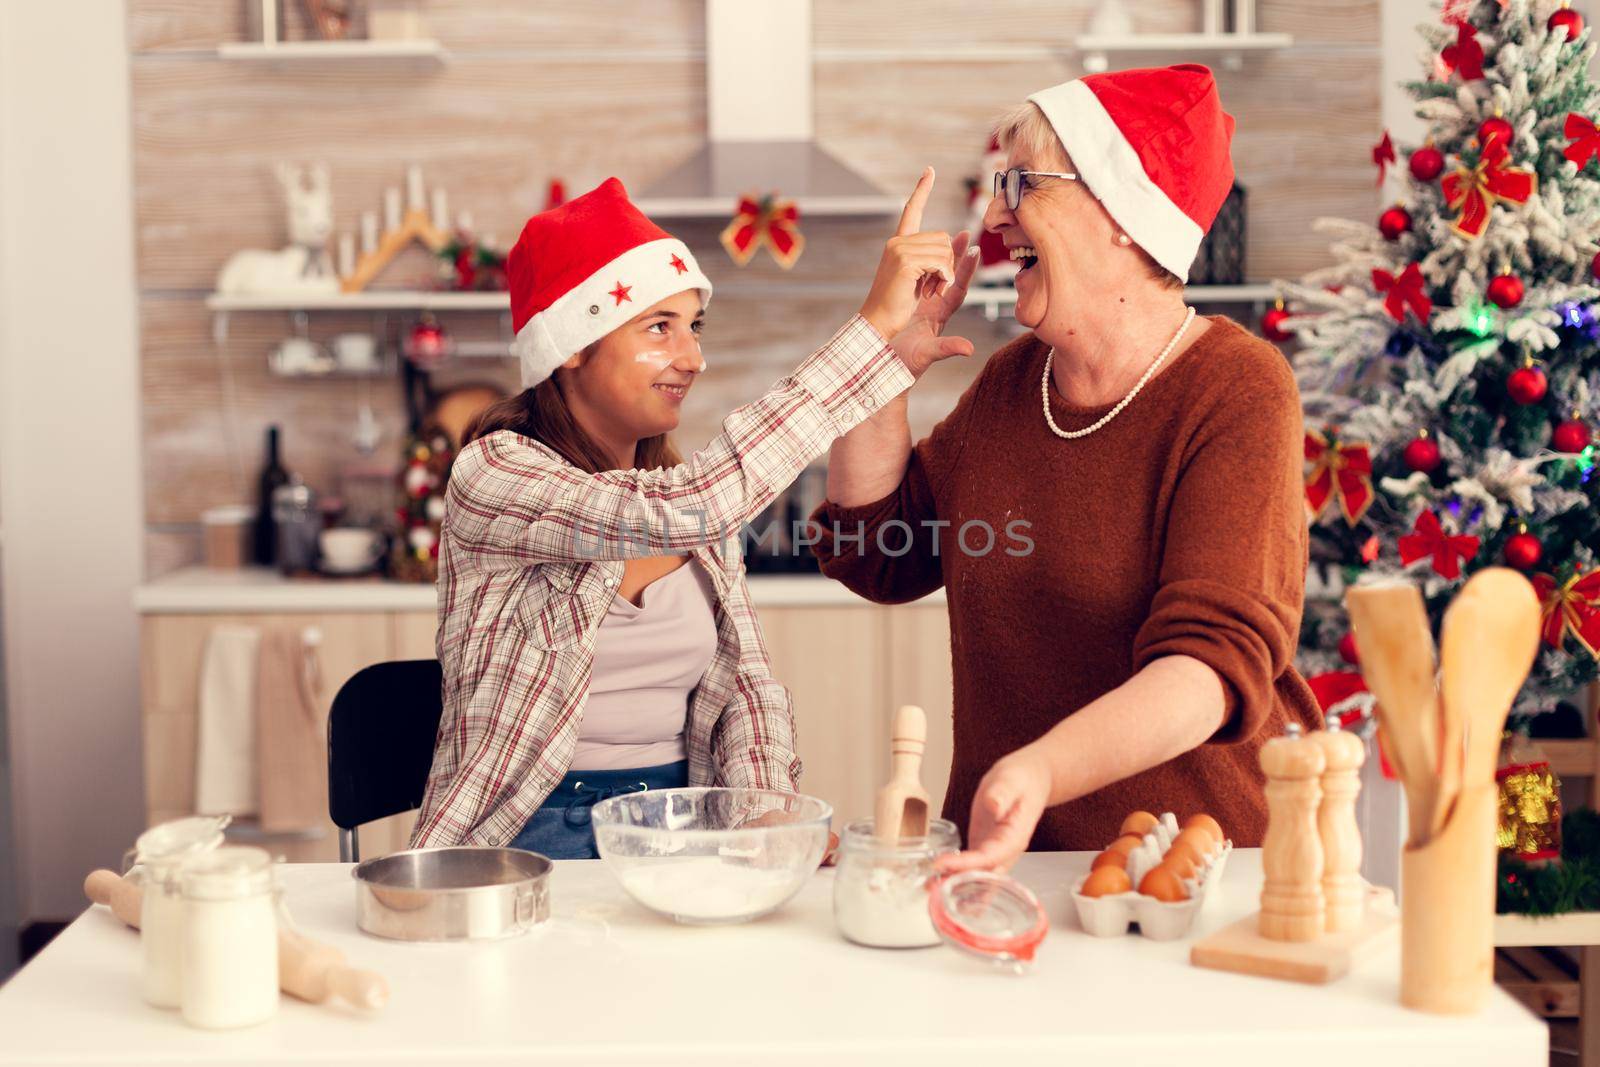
[
  {"x": 201, "y": 590},
  {"x": 606, "y": 982}
]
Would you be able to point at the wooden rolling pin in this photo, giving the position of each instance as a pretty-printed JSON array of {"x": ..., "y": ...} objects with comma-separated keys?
[{"x": 308, "y": 970}]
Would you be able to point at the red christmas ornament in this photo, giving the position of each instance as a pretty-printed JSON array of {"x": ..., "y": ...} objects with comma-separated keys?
[
  {"x": 427, "y": 345},
  {"x": 1527, "y": 385},
  {"x": 1594, "y": 267},
  {"x": 1348, "y": 651},
  {"x": 1427, "y": 163},
  {"x": 1523, "y": 551},
  {"x": 1495, "y": 129},
  {"x": 1568, "y": 20},
  {"x": 1272, "y": 325},
  {"x": 1571, "y": 436},
  {"x": 1394, "y": 222},
  {"x": 1422, "y": 454},
  {"x": 1505, "y": 290}
]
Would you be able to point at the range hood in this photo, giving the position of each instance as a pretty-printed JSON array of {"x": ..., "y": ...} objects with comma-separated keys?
[{"x": 758, "y": 114}]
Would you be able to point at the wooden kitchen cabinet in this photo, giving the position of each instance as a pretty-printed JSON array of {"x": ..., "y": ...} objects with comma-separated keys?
[{"x": 172, "y": 650}]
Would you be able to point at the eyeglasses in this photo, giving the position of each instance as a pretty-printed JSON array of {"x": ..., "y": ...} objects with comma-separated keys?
[{"x": 1012, "y": 182}]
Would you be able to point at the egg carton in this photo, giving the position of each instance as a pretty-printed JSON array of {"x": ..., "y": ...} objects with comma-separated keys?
[{"x": 1159, "y": 920}]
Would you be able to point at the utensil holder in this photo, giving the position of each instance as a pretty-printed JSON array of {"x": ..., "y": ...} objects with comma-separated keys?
[{"x": 1447, "y": 911}]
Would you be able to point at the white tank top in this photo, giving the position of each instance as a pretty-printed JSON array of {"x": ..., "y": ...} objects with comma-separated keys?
[{"x": 648, "y": 658}]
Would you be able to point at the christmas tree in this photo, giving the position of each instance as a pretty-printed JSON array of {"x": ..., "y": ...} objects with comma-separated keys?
[{"x": 1450, "y": 360}]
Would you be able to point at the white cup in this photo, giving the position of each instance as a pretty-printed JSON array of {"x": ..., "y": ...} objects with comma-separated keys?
[
  {"x": 355, "y": 352},
  {"x": 348, "y": 549},
  {"x": 300, "y": 355}
]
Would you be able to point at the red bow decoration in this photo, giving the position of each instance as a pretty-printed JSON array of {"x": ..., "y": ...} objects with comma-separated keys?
[
  {"x": 769, "y": 221},
  {"x": 1332, "y": 688},
  {"x": 1474, "y": 192},
  {"x": 1571, "y": 607},
  {"x": 1338, "y": 471},
  {"x": 1585, "y": 140},
  {"x": 1429, "y": 539},
  {"x": 1465, "y": 57},
  {"x": 1402, "y": 291},
  {"x": 1383, "y": 155}
]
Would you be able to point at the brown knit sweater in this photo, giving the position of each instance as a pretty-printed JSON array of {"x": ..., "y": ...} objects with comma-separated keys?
[{"x": 1178, "y": 529}]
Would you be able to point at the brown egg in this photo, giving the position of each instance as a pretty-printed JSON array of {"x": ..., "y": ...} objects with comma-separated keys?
[
  {"x": 1206, "y": 823},
  {"x": 1162, "y": 884},
  {"x": 1125, "y": 844},
  {"x": 1105, "y": 881},
  {"x": 1110, "y": 858},
  {"x": 1198, "y": 839},
  {"x": 1140, "y": 823},
  {"x": 1179, "y": 864},
  {"x": 1187, "y": 850}
]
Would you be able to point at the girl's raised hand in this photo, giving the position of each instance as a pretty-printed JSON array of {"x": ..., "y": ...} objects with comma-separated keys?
[{"x": 914, "y": 266}]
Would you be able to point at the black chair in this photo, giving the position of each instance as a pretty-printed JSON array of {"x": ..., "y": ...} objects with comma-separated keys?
[{"x": 381, "y": 732}]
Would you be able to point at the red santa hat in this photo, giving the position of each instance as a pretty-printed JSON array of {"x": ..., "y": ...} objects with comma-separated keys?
[
  {"x": 584, "y": 268},
  {"x": 1152, "y": 146}
]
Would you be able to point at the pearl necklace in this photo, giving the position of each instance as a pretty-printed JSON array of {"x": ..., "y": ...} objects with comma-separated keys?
[{"x": 1073, "y": 435}]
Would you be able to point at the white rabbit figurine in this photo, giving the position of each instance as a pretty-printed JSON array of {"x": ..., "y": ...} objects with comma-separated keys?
[{"x": 304, "y": 266}]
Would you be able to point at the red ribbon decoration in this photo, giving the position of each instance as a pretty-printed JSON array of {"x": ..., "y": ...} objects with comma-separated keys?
[
  {"x": 769, "y": 221},
  {"x": 1334, "y": 687},
  {"x": 1572, "y": 607},
  {"x": 1585, "y": 140},
  {"x": 1338, "y": 471},
  {"x": 1408, "y": 289},
  {"x": 1383, "y": 155},
  {"x": 1429, "y": 539},
  {"x": 1465, "y": 57},
  {"x": 1475, "y": 192}
]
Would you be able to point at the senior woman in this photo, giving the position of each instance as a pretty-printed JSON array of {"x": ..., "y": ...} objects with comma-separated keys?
[{"x": 1129, "y": 647}]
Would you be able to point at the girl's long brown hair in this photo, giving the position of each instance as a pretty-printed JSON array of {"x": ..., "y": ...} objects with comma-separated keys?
[{"x": 542, "y": 414}]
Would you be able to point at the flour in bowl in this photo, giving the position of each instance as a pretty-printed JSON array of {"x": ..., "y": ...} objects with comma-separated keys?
[{"x": 706, "y": 889}]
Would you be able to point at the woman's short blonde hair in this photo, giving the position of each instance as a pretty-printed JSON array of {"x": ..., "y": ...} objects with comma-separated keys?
[{"x": 1026, "y": 126}]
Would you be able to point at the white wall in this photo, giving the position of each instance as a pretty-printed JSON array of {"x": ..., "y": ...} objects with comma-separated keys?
[
  {"x": 1401, "y": 50},
  {"x": 69, "y": 444}
]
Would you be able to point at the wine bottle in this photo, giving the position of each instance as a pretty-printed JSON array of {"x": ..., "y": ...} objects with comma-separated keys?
[{"x": 272, "y": 476}]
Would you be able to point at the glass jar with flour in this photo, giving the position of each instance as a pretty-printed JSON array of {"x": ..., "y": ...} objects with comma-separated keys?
[
  {"x": 230, "y": 939},
  {"x": 154, "y": 863},
  {"x": 880, "y": 890}
]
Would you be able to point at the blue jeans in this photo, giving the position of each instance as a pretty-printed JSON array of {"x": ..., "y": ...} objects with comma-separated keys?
[{"x": 560, "y": 829}]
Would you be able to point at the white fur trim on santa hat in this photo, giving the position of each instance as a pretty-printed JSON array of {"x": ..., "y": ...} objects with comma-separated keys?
[
  {"x": 590, "y": 310},
  {"x": 1111, "y": 169}
]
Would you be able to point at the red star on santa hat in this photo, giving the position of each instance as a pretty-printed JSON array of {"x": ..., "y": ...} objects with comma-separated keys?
[
  {"x": 679, "y": 265},
  {"x": 620, "y": 293}
]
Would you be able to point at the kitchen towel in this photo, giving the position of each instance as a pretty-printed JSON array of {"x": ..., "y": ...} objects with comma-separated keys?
[
  {"x": 291, "y": 726},
  {"x": 225, "y": 780}
]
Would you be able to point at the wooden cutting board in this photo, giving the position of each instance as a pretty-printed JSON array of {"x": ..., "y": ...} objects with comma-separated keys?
[{"x": 1239, "y": 948}]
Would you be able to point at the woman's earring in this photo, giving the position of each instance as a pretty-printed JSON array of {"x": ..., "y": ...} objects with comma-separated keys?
[{"x": 1124, "y": 239}]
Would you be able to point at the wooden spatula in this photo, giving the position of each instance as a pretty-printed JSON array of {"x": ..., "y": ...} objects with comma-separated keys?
[
  {"x": 1487, "y": 647},
  {"x": 1391, "y": 629},
  {"x": 902, "y": 809}
]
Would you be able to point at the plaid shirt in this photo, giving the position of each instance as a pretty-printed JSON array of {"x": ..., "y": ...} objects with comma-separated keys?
[{"x": 531, "y": 556}]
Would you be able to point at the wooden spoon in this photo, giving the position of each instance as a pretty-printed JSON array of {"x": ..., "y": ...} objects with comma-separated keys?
[
  {"x": 1488, "y": 644},
  {"x": 1391, "y": 630},
  {"x": 902, "y": 809}
]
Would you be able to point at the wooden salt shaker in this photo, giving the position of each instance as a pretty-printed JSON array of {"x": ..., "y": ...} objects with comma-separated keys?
[
  {"x": 1342, "y": 889},
  {"x": 1291, "y": 898}
]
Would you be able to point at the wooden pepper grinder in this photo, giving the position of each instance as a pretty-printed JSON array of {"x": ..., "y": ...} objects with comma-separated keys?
[
  {"x": 1291, "y": 855},
  {"x": 1343, "y": 892}
]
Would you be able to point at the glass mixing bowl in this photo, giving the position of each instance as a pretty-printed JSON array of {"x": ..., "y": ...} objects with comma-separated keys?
[{"x": 707, "y": 856}]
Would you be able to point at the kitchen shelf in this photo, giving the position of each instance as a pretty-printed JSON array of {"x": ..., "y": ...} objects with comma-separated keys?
[
  {"x": 371, "y": 300},
  {"x": 332, "y": 51},
  {"x": 1573, "y": 928},
  {"x": 1228, "y": 48},
  {"x": 991, "y": 298}
]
